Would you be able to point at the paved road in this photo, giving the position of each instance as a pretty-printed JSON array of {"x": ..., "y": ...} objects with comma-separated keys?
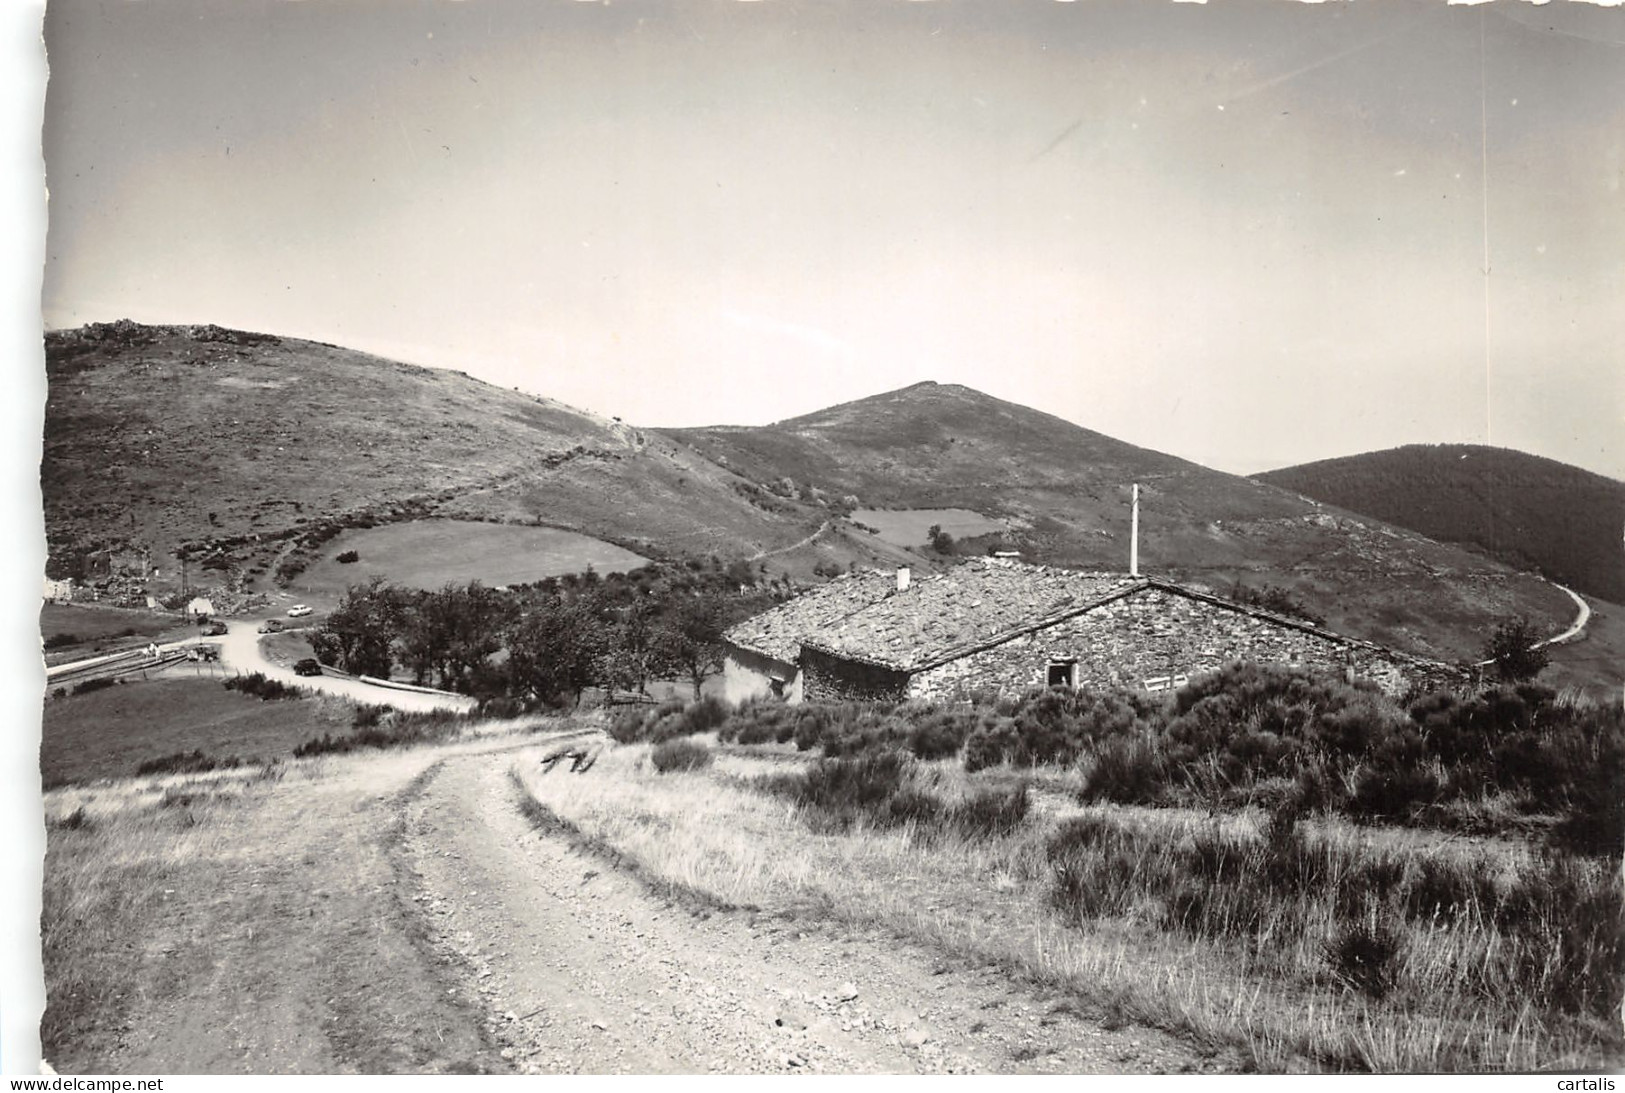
[{"x": 240, "y": 650}]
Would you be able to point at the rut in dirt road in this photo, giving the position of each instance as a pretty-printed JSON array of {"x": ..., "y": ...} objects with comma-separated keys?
[{"x": 579, "y": 968}]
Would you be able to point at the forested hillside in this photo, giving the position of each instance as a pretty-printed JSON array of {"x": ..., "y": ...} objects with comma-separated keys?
[{"x": 1531, "y": 512}]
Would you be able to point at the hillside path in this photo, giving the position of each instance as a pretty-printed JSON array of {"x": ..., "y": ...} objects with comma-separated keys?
[
  {"x": 240, "y": 651},
  {"x": 797, "y": 545},
  {"x": 581, "y": 969},
  {"x": 1580, "y": 619}
]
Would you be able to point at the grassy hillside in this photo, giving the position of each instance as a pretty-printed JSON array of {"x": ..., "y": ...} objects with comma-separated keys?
[
  {"x": 249, "y": 455},
  {"x": 1063, "y": 494},
  {"x": 1531, "y": 512},
  {"x": 230, "y": 446}
]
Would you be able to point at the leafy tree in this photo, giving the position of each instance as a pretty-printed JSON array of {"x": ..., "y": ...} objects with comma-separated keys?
[
  {"x": 360, "y": 633},
  {"x": 1513, "y": 650},
  {"x": 940, "y": 540},
  {"x": 691, "y": 640},
  {"x": 631, "y": 652},
  {"x": 553, "y": 651},
  {"x": 453, "y": 632}
]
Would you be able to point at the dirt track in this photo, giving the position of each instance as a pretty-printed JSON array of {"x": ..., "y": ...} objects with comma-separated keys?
[
  {"x": 579, "y": 969},
  {"x": 422, "y": 925}
]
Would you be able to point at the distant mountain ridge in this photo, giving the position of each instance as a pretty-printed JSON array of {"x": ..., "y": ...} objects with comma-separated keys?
[
  {"x": 1526, "y": 510},
  {"x": 232, "y": 449},
  {"x": 1063, "y": 492}
]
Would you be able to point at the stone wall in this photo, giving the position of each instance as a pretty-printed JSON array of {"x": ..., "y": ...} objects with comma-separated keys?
[
  {"x": 827, "y": 678},
  {"x": 1153, "y": 633}
]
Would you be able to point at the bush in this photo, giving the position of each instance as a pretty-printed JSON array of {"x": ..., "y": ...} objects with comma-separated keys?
[
  {"x": 192, "y": 762},
  {"x": 938, "y": 734},
  {"x": 993, "y": 742},
  {"x": 633, "y": 724},
  {"x": 991, "y": 813},
  {"x": 669, "y": 720},
  {"x": 680, "y": 755},
  {"x": 77, "y": 820},
  {"x": 1366, "y": 956},
  {"x": 348, "y": 556},
  {"x": 502, "y": 706},
  {"x": 760, "y": 720},
  {"x": 1392, "y": 792},
  {"x": 267, "y": 690},
  {"x": 61, "y": 641},
  {"x": 392, "y": 729},
  {"x": 1127, "y": 770},
  {"x": 836, "y": 793},
  {"x": 90, "y": 686}
]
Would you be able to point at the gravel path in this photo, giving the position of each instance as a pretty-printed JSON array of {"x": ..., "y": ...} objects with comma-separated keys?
[{"x": 578, "y": 968}]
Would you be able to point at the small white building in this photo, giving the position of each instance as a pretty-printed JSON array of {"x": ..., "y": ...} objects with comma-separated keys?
[{"x": 200, "y": 608}]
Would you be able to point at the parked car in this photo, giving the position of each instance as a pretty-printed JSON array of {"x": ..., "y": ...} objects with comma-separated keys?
[
  {"x": 271, "y": 626},
  {"x": 214, "y": 628},
  {"x": 298, "y": 611},
  {"x": 310, "y": 666}
]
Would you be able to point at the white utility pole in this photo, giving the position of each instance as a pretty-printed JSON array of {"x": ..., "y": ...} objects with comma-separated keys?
[{"x": 1134, "y": 536}]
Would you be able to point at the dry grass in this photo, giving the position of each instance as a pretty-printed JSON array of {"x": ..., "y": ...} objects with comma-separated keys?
[
  {"x": 990, "y": 900},
  {"x": 111, "y": 732},
  {"x": 429, "y": 553}
]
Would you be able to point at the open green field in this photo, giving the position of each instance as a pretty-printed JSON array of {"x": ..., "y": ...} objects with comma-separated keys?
[
  {"x": 110, "y": 732},
  {"x": 908, "y": 527},
  {"x": 430, "y": 553},
  {"x": 94, "y": 627}
]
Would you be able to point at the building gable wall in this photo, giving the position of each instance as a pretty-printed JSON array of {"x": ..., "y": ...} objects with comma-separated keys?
[
  {"x": 830, "y": 678},
  {"x": 748, "y": 674}
]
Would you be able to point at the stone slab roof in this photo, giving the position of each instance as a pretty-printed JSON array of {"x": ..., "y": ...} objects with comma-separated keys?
[
  {"x": 779, "y": 632},
  {"x": 972, "y": 605},
  {"x": 939, "y": 618}
]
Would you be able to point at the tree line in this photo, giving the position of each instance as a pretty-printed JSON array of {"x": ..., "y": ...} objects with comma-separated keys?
[{"x": 544, "y": 644}]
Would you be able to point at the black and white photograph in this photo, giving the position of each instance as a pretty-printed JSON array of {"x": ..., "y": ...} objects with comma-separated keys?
[{"x": 785, "y": 538}]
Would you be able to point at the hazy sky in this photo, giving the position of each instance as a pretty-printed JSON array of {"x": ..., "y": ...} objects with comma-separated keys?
[{"x": 1247, "y": 233}]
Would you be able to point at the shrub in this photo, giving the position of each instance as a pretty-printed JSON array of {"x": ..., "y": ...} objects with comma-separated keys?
[
  {"x": 186, "y": 762},
  {"x": 348, "y": 556},
  {"x": 1392, "y": 792},
  {"x": 992, "y": 743},
  {"x": 835, "y": 793},
  {"x": 680, "y": 755},
  {"x": 90, "y": 686},
  {"x": 938, "y": 734},
  {"x": 391, "y": 730},
  {"x": 1127, "y": 770},
  {"x": 1366, "y": 956},
  {"x": 632, "y": 724},
  {"x": 77, "y": 820},
  {"x": 706, "y": 714},
  {"x": 267, "y": 690},
  {"x": 502, "y": 706},
  {"x": 991, "y": 813},
  {"x": 760, "y": 720},
  {"x": 61, "y": 641}
]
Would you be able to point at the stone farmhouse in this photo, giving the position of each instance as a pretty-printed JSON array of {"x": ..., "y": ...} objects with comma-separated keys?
[{"x": 1000, "y": 624}]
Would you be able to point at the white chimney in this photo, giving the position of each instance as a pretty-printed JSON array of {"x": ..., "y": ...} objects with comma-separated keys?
[
  {"x": 902, "y": 578},
  {"x": 1134, "y": 536}
]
